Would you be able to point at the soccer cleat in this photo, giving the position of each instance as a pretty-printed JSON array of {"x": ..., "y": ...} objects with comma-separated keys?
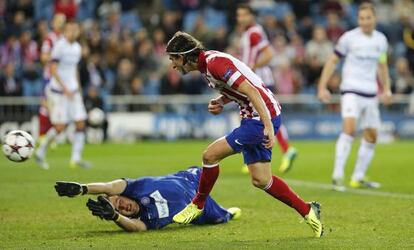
[
  {"x": 245, "y": 169},
  {"x": 338, "y": 185},
  {"x": 188, "y": 214},
  {"x": 313, "y": 219},
  {"x": 364, "y": 184},
  {"x": 287, "y": 161},
  {"x": 80, "y": 164},
  {"x": 235, "y": 213},
  {"x": 41, "y": 162},
  {"x": 41, "y": 139},
  {"x": 53, "y": 145}
]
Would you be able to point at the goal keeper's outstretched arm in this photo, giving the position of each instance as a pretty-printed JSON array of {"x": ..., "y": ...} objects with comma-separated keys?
[
  {"x": 73, "y": 189},
  {"x": 104, "y": 209}
]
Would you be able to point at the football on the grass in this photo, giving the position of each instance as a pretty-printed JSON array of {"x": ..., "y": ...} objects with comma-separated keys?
[{"x": 18, "y": 145}]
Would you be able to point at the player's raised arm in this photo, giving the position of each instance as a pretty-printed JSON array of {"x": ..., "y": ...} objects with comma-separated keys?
[
  {"x": 73, "y": 189},
  {"x": 247, "y": 88}
]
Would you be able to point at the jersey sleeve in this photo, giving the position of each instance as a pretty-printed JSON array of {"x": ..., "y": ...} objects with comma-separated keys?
[
  {"x": 56, "y": 52},
  {"x": 384, "y": 50},
  {"x": 257, "y": 40},
  {"x": 342, "y": 47},
  {"x": 46, "y": 46},
  {"x": 133, "y": 185},
  {"x": 223, "y": 69}
]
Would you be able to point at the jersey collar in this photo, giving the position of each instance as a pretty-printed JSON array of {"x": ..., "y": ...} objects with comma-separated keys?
[
  {"x": 249, "y": 26},
  {"x": 202, "y": 64}
]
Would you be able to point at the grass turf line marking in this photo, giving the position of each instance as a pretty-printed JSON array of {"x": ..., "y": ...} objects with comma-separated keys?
[{"x": 317, "y": 185}]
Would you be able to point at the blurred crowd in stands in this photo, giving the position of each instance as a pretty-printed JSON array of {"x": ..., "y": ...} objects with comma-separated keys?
[{"x": 123, "y": 42}]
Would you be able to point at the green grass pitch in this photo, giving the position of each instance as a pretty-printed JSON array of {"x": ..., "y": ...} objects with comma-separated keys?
[{"x": 32, "y": 216}]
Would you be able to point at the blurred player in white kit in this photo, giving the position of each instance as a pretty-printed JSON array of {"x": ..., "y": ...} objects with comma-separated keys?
[
  {"x": 64, "y": 98},
  {"x": 57, "y": 25}
]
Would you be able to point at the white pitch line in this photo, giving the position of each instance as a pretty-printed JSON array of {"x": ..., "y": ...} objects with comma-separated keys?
[{"x": 317, "y": 185}]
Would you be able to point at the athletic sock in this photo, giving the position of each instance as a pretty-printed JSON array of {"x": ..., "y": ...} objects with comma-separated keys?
[
  {"x": 282, "y": 138},
  {"x": 281, "y": 191},
  {"x": 44, "y": 123},
  {"x": 48, "y": 138},
  {"x": 343, "y": 147},
  {"x": 77, "y": 145},
  {"x": 208, "y": 178},
  {"x": 365, "y": 155}
]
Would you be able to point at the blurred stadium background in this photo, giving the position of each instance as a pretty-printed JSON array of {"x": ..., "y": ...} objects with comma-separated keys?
[{"x": 125, "y": 72}]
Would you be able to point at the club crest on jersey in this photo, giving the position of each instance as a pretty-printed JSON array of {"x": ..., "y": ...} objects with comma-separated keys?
[
  {"x": 145, "y": 201},
  {"x": 228, "y": 74}
]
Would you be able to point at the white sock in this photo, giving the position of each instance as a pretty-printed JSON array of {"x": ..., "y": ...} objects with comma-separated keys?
[
  {"x": 343, "y": 147},
  {"x": 77, "y": 146},
  {"x": 365, "y": 155},
  {"x": 44, "y": 145}
]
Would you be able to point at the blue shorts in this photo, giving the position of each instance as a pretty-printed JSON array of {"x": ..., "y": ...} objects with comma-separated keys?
[{"x": 248, "y": 139}]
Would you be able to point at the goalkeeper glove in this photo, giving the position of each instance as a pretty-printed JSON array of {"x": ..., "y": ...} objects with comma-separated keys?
[
  {"x": 103, "y": 208},
  {"x": 70, "y": 189}
]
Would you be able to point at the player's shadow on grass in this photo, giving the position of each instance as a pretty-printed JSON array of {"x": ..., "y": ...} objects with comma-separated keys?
[
  {"x": 104, "y": 232},
  {"x": 170, "y": 228}
]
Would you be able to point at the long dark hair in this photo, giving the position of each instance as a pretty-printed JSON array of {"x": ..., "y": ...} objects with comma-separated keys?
[{"x": 186, "y": 45}]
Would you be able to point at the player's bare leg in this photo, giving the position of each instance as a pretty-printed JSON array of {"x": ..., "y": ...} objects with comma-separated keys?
[
  {"x": 41, "y": 152},
  {"x": 77, "y": 147},
  {"x": 214, "y": 153},
  {"x": 365, "y": 155},
  {"x": 261, "y": 176},
  {"x": 343, "y": 148}
]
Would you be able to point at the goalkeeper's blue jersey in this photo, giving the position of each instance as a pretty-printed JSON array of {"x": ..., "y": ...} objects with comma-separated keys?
[{"x": 160, "y": 198}]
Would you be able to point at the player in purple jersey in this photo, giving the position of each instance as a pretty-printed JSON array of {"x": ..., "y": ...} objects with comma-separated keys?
[{"x": 147, "y": 203}]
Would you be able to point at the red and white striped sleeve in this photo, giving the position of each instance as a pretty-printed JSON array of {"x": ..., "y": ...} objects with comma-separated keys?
[
  {"x": 47, "y": 46},
  {"x": 223, "y": 69},
  {"x": 257, "y": 40}
]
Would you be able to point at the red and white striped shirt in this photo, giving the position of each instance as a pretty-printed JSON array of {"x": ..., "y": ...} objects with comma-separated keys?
[
  {"x": 225, "y": 73},
  {"x": 47, "y": 47},
  {"x": 253, "y": 41}
]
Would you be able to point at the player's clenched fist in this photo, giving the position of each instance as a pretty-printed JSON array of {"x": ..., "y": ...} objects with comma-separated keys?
[{"x": 215, "y": 107}]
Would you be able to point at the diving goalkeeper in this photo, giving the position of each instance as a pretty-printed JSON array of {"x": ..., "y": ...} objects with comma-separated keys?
[{"x": 147, "y": 203}]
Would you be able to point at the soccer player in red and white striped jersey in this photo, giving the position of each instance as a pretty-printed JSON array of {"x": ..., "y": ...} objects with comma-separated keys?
[
  {"x": 260, "y": 113},
  {"x": 257, "y": 52}
]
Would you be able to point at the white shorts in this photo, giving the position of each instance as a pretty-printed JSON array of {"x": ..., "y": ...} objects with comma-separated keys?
[
  {"x": 364, "y": 109},
  {"x": 63, "y": 110}
]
